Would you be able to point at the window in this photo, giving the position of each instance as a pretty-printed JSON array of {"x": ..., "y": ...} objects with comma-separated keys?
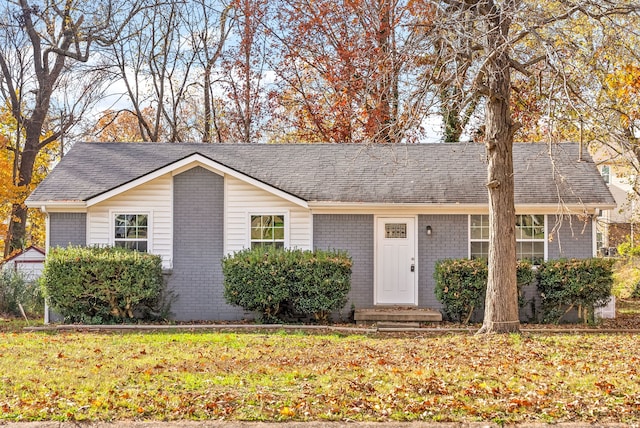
[
  {"x": 267, "y": 230},
  {"x": 131, "y": 231},
  {"x": 605, "y": 171},
  {"x": 395, "y": 230},
  {"x": 530, "y": 237}
]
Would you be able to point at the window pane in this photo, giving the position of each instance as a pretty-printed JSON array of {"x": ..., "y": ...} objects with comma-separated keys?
[
  {"x": 476, "y": 221},
  {"x": 278, "y": 233},
  {"x": 395, "y": 230},
  {"x": 538, "y": 232},
  {"x": 479, "y": 250},
  {"x": 256, "y": 233},
  {"x": 141, "y": 221},
  {"x": 479, "y": 227},
  {"x": 256, "y": 221}
]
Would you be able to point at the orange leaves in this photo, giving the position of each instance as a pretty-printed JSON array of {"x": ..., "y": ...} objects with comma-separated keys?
[{"x": 116, "y": 126}]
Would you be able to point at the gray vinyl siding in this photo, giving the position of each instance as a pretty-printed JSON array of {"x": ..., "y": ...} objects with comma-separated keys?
[
  {"x": 571, "y": 237},
  {"x": 67, "y": 229},
  {"x": 353, "y": 233},
  {"x": 449, "y": 239},
  {"x": 198, "y": 227}
]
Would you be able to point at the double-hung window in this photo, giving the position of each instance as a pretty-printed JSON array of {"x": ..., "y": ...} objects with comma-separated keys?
[
  {"x": 132, "y": 231},
  {"x": 267, "y": 231},
  {"x": 530, "y": 237}
]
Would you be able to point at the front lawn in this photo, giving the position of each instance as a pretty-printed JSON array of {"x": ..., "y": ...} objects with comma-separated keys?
[{"x": 288, "y": 376}]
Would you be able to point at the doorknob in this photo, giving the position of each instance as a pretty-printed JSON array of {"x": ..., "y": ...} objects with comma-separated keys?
[{"x": 413, "y": 268}]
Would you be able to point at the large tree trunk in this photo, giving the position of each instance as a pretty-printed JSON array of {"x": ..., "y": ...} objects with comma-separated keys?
[
  {"x": 501, "y": 304},
  {"x": 17, "y": 232}
]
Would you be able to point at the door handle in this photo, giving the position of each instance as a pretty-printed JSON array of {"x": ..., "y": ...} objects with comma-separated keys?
[{"x": 413, "y": 268}]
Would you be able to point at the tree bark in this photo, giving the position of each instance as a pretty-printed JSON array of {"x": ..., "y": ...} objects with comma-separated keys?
[
  {"x": 501, "y": 304},
  {"x": 17, "y": 231}
]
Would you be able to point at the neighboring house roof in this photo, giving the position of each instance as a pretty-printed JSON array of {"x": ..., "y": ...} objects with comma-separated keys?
[
  {"x": 28, "y": 254},
  {"x": 339, "y": 173}
]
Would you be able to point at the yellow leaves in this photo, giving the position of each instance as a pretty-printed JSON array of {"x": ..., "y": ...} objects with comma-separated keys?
[
  {"x": 624, "y": 85},
  {"x": 10, "y": 192},
  {"x": 287, "y": 412}
]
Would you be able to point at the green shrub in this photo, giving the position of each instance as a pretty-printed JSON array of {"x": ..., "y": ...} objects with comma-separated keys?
[
  {"x": 258, "y": 280},
  {"x": 271, "y": 281},
  {"x": 16, "y": 290},
  {"x": 322, "y": 284},
  {"x": 576, "y": 283},
  {"x": 103, "y": 284},
  {"x": 628, "y": 250},
  {"x": 461, "y": 285}
]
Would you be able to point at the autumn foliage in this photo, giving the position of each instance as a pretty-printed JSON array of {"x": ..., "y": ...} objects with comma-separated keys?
[{"x": 10, "y": 192}]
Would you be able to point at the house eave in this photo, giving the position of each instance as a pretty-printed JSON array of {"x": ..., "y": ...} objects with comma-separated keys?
[
  {"x": 58, "y": 206},
  {"x": 329, "y": 207}
]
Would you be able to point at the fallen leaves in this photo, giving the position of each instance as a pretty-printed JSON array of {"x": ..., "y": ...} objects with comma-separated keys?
[{"x": 547, "y": 378}]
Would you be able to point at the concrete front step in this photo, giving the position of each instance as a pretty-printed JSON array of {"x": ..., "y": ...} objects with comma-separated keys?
[
  {"x": 398, "y": 325},
  {"x": 397, "y": 315}
]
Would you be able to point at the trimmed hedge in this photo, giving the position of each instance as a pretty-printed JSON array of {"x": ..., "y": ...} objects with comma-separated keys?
[
  {"x": 574, "y": 283},
  {"x": 273, "y": 281},
  {"x": 461, "y": 285},
  {"x": 103, "y": 284}
]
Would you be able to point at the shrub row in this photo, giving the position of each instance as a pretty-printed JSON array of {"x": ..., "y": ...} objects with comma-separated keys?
[
  {"x": 277, "y": 282},
  {"x": 582, "y": 284},
  {"x": 461, "y": 285},
  {"x": 103, "y": 284}
]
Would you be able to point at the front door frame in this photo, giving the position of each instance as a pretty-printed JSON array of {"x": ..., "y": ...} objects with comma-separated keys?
[{"x": 377, "y": 241}]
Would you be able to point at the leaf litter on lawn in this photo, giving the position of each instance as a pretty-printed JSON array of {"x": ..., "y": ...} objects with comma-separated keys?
[{"x": 281, "y": 376}]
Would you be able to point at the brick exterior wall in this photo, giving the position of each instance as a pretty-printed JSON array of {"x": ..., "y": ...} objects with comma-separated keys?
[
  {"x": 573, "y": 238},
  {"x": 67, "y": 228},
  {"x": 448, "y": 239},
  {"x": 198, "y": 245},
  {"x": 353, "y": 233}
]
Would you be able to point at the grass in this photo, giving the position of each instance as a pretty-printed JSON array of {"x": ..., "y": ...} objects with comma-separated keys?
[{"x": 275, "y": 377}]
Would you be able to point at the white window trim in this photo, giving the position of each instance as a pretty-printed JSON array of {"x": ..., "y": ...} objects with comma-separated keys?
[
  {"x": 287, "y": 229},
  {"x": 130, "y": 211},
  {"x": 545, "y": 239}
]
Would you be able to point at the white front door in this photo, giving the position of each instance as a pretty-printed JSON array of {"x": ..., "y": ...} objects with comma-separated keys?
[{"x": 396, "y": 269}]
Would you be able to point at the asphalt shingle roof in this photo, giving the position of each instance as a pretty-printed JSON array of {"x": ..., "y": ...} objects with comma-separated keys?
[{"x": 420, "y": 173}]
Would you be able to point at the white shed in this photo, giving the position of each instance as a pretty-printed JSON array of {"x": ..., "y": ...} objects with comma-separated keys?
[{"x": 29, "y": 262}]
